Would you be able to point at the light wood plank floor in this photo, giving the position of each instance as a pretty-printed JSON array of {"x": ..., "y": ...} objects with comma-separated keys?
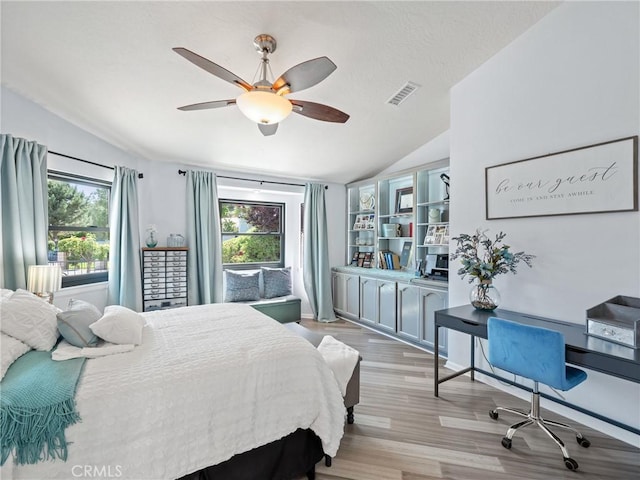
[{"x": 402, "y": 432}]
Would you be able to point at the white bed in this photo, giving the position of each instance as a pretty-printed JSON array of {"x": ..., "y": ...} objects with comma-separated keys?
[{"x": 207, "y": 383}]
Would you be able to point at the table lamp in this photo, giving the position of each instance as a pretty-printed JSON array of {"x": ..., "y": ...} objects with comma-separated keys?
[{"x": 43, "y": 280}]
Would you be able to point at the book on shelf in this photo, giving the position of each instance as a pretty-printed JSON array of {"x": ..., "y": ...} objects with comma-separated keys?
[
  {"x": 367, "y": 260},
  {"x": 405, "y": 255}
]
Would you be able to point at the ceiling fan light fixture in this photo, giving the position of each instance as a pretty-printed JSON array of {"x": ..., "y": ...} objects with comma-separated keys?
[{"x": 264, "y": 107}]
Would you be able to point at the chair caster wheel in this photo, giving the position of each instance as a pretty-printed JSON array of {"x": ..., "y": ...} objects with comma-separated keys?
[
  {"x": 493, "y": 414},
  {"x": 583, "y": 442},
  {"x": 570, "y": 463},
  {"x": 506, "y": 443}
]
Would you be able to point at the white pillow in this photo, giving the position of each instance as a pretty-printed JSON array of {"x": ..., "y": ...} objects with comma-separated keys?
[
  {"x": 119, "y": 325},
  {"x": 11, "y": 349},
  {"x": 30, "y": 319}
]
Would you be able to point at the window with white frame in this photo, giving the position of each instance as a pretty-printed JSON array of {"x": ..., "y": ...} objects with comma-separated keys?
[
  {"x": 252, "y": 234},
  {"x": 79, "y": 227}
]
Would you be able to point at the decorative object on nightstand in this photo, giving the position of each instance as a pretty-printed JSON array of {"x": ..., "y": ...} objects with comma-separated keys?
[
  {"x": 151, "y": 239},
  {"x": 44, "y": 280},
  {"x": 483, "y": 266}
]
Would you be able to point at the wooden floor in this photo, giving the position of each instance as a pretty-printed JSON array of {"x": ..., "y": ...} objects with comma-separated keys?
[{"x": 402, "y": 432}]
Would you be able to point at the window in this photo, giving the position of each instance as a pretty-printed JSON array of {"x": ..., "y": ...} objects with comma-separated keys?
[
  {"x": 79, "y": 227},
  {"x": 252, "y": 234}
]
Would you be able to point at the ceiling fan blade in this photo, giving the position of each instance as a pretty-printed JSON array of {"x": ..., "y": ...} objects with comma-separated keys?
[
  {"x": 208, "y": 105},
  {"x": 305, "y": 74},
  {"x": 318, "y": 111},
  {"x": 212, "y": 68},
  {"x": 267, "y": 130}
]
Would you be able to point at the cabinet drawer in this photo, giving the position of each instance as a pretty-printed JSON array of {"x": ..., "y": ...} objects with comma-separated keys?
[
  {"x": 153, "y": 296},
  {"x": 181, "y": 284},
  {"x": 177, "y": 294},
  {"x": 153, "y": 254},
  {"x": 177, "y": 255},
  {"x": 148, "y": 264},
  {"x": 176, "y": 270},
  {"x": 154, "y": 274},
  {"x": 153, "y": 282}
]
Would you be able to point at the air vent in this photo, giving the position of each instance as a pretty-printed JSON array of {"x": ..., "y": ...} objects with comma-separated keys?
[{"x": 403, "y": 93}]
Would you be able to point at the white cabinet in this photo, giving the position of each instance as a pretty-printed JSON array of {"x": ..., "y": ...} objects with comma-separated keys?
[
  {"x": 368, "y": 300},
  {"x": 346, "y": 294},
  {"x": 387, "y": 305},
  {"x": 416, "y": 307},
  {"x": 164, "y": 278},
  {"x": 430, "y": 301},
  {"x": 378, "y": 302},
  {"x": 409, "y": 311}
]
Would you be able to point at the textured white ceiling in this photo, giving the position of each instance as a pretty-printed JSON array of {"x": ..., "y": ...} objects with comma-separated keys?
[{"x": 108, "y": 67}]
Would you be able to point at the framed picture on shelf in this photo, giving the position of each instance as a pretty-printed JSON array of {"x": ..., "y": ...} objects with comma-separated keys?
[
  {"x": 367, "y": 260},
  {"x": 404, "y": 200},
  {"x": 354, "y": 259},
  {"x": 441, "y": 231},
  {"x": 360, "y": 259},
  {"x": 370, "y": 221},
  {"x": 430, "y": 237}
]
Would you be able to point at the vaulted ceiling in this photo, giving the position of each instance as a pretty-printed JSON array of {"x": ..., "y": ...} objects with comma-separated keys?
[{"x": 109, "y": 68}]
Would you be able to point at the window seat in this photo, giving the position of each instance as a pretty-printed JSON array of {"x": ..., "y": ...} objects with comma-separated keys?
[{"x": 284, "y": 309}]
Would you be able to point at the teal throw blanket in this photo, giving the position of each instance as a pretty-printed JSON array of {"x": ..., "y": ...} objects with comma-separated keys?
[{"x": 36, "y": 406}]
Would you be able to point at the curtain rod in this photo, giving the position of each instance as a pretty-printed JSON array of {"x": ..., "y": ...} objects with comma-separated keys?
[
  {"x": 184, "y": 172},
  {"x": 140, "y": 175}
]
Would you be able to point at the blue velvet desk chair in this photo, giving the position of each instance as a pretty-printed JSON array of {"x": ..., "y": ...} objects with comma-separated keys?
[{"x": 538, "y": 354}]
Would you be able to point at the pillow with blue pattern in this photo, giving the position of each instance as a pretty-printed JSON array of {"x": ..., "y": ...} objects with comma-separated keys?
[
  {"x": 277, "y": 282},
  {"x": 242, "y": 286},
  {"x": 73, "y": 324}
]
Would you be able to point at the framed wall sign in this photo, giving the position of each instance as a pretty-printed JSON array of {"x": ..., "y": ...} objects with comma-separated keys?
[
  {"x": 593, "y": 179},
  {"x": 404, "y": 200}
]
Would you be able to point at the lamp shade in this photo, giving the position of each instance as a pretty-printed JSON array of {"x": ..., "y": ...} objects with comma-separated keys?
[
  {"x": 263, "y": 107},
  {"x": 44, "y": 278}
]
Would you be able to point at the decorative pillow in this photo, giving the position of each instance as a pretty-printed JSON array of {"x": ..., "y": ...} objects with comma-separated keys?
[
  {"x": 119, "y": 325},
  {"x": 30, "y": 319},
  {"x": 242, "y": 286},
  {"x": 277, "y": 282},
  {"x": 74, "y": 324},
  {"x": 11, "y": 349}
]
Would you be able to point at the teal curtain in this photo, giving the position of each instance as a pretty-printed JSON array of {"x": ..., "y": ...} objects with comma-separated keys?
[
  {"x": 24, "y": 209},
  {"x": 125, "y": 286},
  {"x": 204, "y": 238},
  {"x": 316, "y": 267}
]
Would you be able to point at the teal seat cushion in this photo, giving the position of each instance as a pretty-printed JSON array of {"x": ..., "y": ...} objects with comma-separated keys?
[
  {"x": 74, "y": 323},
  {"x": 242, "y": 286}
]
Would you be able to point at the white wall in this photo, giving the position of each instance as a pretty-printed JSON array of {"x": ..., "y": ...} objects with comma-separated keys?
[
  {"x": 162, "y": 192},
  {"x": 436, "y": 149},
  {"x": 571, "y": 80}
]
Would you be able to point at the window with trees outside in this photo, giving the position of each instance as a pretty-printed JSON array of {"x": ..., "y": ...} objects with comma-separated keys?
[
  {"x": 252, "y": 234},
  {"x": 79, "y": 227}
]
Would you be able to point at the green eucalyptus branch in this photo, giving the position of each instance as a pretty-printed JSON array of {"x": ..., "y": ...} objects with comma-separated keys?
[{"x": 484, "y": 258}]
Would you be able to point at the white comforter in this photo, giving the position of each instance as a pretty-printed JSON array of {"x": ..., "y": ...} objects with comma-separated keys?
[{"x": 208, "y": 382}]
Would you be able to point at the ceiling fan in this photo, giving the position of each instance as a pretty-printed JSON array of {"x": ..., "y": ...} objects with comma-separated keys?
[{"x": 264, "y": 102}]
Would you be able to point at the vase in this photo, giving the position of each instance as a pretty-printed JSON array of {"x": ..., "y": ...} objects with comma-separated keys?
[
  {"x": 484, "y": 296},
  {"x": 151, "y": 240}
]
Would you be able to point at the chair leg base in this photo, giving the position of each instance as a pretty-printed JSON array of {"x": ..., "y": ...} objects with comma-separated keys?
[{"x": 533, "y": 418}]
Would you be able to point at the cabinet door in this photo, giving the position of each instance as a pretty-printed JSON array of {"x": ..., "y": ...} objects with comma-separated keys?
[
  {"x": 352, "y": 295},
  {"x": 409, "y": 311},
  {"x": 387, "y": 305},
  {"x": 368, "y": 299},
  {"x": 338, "y": 291},
  {"x": 430, "y": 301}
]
